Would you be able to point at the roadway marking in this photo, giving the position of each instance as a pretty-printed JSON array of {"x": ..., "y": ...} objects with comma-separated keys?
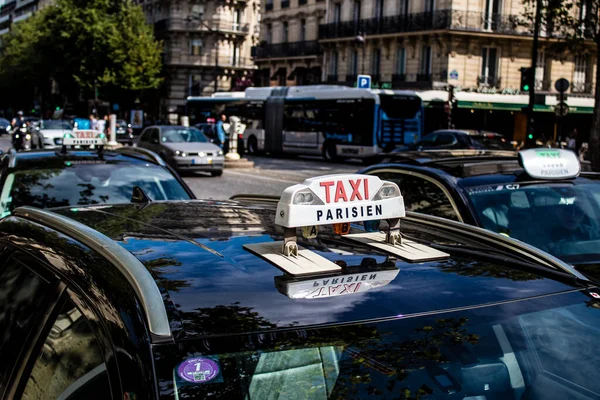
[{"x": 256, "y": 176}]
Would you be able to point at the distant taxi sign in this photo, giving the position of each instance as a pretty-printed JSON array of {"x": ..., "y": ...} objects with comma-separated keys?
[
  {"x": 85, "y": 137},
  {"x": 550, "y": 163},
  {"x": 334, "y": 199}
]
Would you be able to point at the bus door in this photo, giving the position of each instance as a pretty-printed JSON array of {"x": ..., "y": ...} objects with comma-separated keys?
[
  {"x": 300, "y": 132},
  {"x": 274, "y": 120}
]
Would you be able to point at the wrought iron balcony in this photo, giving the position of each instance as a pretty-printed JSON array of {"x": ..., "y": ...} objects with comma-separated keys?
[
  {"x": 289, "y": 49},
  {"x": 581, "y": 87},
  {"x": 426, "y": 21},
  {"x": 206, "y": 60},
  {"x": 180, "y": 24},
  {"x": 489, "y": 81}
]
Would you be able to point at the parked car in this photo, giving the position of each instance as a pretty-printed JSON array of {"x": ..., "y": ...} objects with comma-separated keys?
[
  {"x": 460, "y": 139},
  {"x": 183, "y": 148},
  {"x": 4, "y": 126},
  {"x": 124, "y": 132}
]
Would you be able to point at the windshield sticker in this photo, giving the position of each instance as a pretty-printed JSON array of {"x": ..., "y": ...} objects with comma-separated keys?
[
  {"x": 595, "y": 295},
  {"x": 198, "y": 370},
  {"x": 492, "y": 188}
]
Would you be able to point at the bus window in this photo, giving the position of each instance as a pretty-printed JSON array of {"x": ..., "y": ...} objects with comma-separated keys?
[
  {"x": 293, "y": 117},
  {"x": 400, "y": 106}
]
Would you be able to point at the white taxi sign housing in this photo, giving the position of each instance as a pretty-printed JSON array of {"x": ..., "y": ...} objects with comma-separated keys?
[
  {"x": 85, "y": 137},
  {"x": 550, "y": 163},
  {"x": 333, "y": 199}
]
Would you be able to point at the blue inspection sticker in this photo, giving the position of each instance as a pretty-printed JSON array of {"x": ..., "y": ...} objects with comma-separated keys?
[{"x": 199, "y": 370}]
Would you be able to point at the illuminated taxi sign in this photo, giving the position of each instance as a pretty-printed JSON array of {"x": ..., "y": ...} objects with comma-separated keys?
[
  {"x": 85, "y": 137},
  {"x": 335, "y": 285},
  {"x": 335, "y": 199},
  {"x": 550, "y": 163}
]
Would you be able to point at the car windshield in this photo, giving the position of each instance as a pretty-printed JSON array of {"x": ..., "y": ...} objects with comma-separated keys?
[
  {"x": 492, "y": 142},
  {"x": 562, "y": 219},
  {"x": 183, "y": 135},
  {"x": 531, "y": 349},
  {"x": 54, "y": 124},
  {"x": 85, "y": 183}
]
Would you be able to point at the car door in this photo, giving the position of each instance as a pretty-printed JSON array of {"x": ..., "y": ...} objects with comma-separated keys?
[
  {"x": 154, "y": 141},
  {"x": 50, "y": 347},
  {"x": 144, "y": 138}
]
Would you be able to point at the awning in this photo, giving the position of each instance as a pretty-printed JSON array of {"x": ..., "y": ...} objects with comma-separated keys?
[
  {"x": 296, "y": 71},
  {"x": 508, "y": 102},
  {"x": 280, "y": 72}
]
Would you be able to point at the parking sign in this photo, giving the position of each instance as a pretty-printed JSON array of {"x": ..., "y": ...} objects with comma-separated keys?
[{"x": 364, "y": 82}]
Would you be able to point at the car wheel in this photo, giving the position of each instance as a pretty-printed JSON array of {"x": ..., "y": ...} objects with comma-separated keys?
[
  {"x": 252, "y": 145},
  {"x": 217, "y": 173},
  {"x": 330, "y": 151}
]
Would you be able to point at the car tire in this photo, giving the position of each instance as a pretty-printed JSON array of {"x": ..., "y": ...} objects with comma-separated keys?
[
  {"x": 217, "y": 173},
  {"x": 252, "y": 145},
  {"x": 330, "y": 152}
]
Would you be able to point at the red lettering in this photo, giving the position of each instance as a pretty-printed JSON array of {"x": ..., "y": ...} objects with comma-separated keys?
[
  {"x": 351, "y": 288},
  {"x": 340, "y": 192},
  {"x": 366, "y": 181},
  {"x": 355, "y": 189},
  {"x": 327, "y": 185}
]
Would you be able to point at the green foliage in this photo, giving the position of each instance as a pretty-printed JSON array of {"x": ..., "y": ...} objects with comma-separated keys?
[{"x": 82, "y": 43}]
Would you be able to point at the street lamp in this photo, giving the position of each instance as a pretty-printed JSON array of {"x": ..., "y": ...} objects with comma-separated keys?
[
  {"x": 198, "y": 17},
  {"x": 361, "y": 38}
]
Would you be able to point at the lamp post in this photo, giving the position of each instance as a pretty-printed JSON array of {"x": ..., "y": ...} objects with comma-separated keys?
[
  {"x": 198, "y": 17},
  {"x": 534, "y": 58}
]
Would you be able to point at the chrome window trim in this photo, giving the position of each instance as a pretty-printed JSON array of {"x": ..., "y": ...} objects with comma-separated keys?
[
  {"x": 128, "y": 265},
  {"x": 427, "y": 178}
]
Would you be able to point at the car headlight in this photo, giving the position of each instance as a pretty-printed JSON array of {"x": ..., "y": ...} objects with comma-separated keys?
[
  {"x": 202, "y": 154},
  {"x": 180, "y": 153},
  {"x": 220, "y": 152},
  {"x": 28, "y": 136}
]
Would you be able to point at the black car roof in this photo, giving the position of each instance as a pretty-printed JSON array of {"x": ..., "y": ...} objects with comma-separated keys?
[{"x": 193, "y": 249}]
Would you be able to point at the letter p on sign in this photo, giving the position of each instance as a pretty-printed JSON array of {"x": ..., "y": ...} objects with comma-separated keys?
[{"x": 364, "y": 82}]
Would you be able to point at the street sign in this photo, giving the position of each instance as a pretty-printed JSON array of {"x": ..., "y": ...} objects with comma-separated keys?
[
  {"x": 561, "y": 85},
  {"x": 363, "y": 82},
  {"x": 561, "y": 109}
]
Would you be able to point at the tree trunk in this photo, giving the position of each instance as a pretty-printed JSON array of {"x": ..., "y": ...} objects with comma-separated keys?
[{"x": 595, "y": 129}]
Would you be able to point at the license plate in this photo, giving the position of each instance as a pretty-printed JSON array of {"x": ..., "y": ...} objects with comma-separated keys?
[{"x": 209, "y": 161}]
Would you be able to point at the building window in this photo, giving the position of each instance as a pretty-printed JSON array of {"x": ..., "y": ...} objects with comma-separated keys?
[
  {"x": 235, "y": 55},
  {"x": 401, "y": 61},
  {"x": 269, "y": 5},
  {"x": 353, "y": 62},
  {"x": 376, "y": 61},
  {"x": 379, "y": 7},
  {"x": 337, "y": 13},
  {"x": 196, "y": 47},
  {"x": 489, "y": 62},
  {"x": 356, "y": 7},
  {"x": 491, "y": 14},
  {"x": 195, "y": 87},
  {"x": 539, "y": 70},
  {"x": 284, "y": 32},
  {"x": 237, "y": 19},
  {"x": 302, "y": 30},
  {"x": 580, "y": 73},
  {"x": 403, "y": 7},
  {"x": 426, "y": 61},
  {"x": 269, "y": 34},
  {"x": 429, "y": 5},
  {"x": 333, "y": 67}
]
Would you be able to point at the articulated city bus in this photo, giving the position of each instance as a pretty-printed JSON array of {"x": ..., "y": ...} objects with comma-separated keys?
[{"x": 332, "y": 121}]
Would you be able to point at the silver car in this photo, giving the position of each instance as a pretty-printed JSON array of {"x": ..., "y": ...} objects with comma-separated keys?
[{"x": 183, "y": 148}]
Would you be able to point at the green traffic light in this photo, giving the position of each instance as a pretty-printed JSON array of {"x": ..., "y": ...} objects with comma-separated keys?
[
  {"x": 57, "y": 108},
  {"x": 526, "y": 88},
  {"x": 530, "y": 136}
]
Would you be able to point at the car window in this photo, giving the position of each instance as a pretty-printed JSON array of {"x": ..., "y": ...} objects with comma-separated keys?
[
  {"x": 23, "y": 294},
  {"x": 420, "y": 195},
  {"x": 183, "y": 135},
  {"x": 444, "y": 139},
  {"x": 70, "y": 365},
  {"x": 428, "y": 139},
  {"x": 154, "y": 135},
  {"x": 492, "y": 142},
  {"x": 145, "y": 136},
  {"x": 54, "y": 124},
  {"x": 84, "y": 184}
]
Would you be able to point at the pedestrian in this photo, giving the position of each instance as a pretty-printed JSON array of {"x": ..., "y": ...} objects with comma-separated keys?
[
  {"x": 583, "y": 152},
  {"x": 572, "y": 141},
  {"x": 93, "y": 123},
  {"x": 101, "y": 124},
  {"x": 221, "y": 130}
]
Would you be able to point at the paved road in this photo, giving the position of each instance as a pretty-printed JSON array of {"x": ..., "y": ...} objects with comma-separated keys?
[{"x": 270, "y": 176}]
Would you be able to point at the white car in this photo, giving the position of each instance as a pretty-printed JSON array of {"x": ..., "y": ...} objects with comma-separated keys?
[{"x": 52, "y": 132}]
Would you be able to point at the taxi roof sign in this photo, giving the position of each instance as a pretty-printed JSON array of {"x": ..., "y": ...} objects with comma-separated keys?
[
  {"x": 341, "y": 198},
  {"x": 85, "y": 137},
  {"x": 550, "y": 163}
]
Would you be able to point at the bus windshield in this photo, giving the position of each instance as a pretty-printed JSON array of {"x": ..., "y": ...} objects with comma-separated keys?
[{"x": 400, "y": 106}]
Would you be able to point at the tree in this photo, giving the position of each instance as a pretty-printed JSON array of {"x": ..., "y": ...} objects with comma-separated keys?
[
  {"x": 575, "y": 24},
  {"x": 82, "y": 45}
]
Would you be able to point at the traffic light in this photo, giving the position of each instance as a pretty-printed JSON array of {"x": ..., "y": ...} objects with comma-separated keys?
[{"x": 527, "y": 75}]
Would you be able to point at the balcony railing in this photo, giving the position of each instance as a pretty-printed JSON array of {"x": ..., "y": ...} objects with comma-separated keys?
[
  {"x": 289, "y": 49},
  {"x": 581, "y": 87},
  {"x": 489, "y": 81},
  {"x": 177, "y": 24},
  {"x": 207, "y": 60},
  {"x": 426, "y": 21}
]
